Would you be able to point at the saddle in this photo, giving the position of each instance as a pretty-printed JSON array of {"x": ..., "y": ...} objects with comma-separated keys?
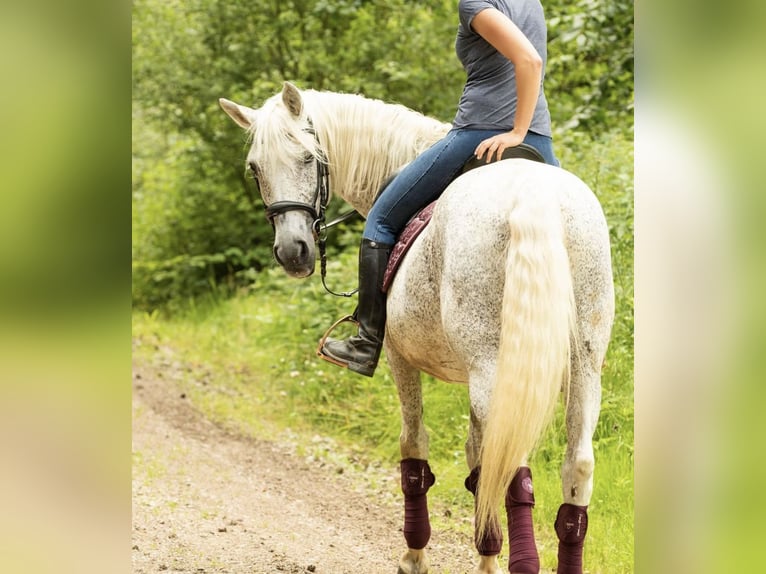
[{"x": 419, "y": 221}]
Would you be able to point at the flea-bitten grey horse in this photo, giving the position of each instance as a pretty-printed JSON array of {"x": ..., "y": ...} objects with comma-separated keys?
[{"x": 509, "y": 290}]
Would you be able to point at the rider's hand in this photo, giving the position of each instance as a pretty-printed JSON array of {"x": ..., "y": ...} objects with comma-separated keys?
[{"x": 496, "y": 145}]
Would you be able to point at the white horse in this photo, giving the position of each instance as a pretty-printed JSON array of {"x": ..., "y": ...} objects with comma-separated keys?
[{"x": 509, "y": 289}]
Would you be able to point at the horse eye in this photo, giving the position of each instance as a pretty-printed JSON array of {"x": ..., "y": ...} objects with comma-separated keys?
[
  {"x": 308, "y": 158},
  {"x": 253, "y": 168}
]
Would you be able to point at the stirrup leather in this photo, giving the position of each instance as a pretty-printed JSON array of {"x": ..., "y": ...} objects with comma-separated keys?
[{"x": 320, "y": 353}]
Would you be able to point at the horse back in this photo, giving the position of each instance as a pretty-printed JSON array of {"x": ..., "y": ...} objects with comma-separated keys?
[{"x": 444, "y": 303}]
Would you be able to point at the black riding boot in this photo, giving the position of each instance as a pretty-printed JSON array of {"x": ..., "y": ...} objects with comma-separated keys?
[{"x": 361, "y": 352}]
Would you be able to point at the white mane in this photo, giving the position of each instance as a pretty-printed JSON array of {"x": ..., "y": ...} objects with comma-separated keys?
[{"x": 363, "y": 140}]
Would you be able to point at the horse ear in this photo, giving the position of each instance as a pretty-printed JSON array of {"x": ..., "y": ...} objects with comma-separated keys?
[
  {"x": 291, "y": 96},
  {"x": 244, "y": 116}
]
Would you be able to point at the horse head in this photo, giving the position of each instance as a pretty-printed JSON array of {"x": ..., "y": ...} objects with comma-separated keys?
[{"x": 291, "y": 173}]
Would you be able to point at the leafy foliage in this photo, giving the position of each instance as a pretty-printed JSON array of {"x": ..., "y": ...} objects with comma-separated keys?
[
  {"x": 590, "y": 65},
  {"x": 197, "y": 224}
]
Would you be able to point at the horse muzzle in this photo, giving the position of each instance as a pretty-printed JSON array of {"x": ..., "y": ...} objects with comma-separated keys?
[{"x": 296, "y": 257}]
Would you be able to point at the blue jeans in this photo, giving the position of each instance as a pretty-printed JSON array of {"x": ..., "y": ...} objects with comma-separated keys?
[{"x": 424, "y": 179}]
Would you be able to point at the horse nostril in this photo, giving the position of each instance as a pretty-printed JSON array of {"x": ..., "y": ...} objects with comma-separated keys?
[
  {"x": 292, "y": 254},
  {"x": 276, "y": 254},
  {"x": 303, "y": 250}
]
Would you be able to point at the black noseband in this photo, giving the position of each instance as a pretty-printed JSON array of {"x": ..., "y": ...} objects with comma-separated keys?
[
  {"x": 279, "y": 207},
  {"x": 321, "y": 196}
]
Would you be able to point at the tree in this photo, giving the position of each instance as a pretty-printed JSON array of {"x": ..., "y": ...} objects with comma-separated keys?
[
  {"x": 197, "y": 220},
  {"x": 590, "y": 64}
]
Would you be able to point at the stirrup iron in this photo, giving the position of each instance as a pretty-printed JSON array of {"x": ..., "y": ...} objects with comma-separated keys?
[{"x": 320, "y": 353}]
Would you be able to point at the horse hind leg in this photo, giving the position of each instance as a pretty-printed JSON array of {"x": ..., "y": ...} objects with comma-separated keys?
[
  {"x": 490, "y": 543},
  {"x": 519, "y": 502},
  {"x": 479, "y": 391},
  {"x": 590, "y": 261},
  {"x": 523, "y": 556},
  {"x": 577, "y": 471}
]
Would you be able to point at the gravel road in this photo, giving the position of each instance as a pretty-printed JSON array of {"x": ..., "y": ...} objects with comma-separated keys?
[{"x": 206, "y": 500}]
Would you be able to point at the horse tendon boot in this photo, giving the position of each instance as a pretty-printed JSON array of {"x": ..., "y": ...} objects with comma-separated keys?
[
  {"x": 492, "y": 542},
  {"x": 519, "y": 502},
  {"x": 571, "y": 526},
  {"x": 417, "y": 478}
]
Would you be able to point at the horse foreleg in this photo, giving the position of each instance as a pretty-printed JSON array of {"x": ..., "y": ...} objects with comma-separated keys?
[
  {"x": 416, "y": 474},
  {"x": 417, "y": 478},
  {"x": 577, "y": 471}
]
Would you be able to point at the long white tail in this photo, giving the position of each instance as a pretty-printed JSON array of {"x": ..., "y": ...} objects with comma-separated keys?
[{"x": 538, "y": 321}]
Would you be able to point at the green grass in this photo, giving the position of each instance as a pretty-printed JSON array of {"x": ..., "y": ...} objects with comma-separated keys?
[{"x": 248, "y": 362}]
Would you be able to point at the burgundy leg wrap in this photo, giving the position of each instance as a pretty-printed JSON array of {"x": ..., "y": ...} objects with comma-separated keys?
[
  {"x": 492, "y": 542},
  {"x": 417, "y": 478},
  {"x": 571, "y": 526},
  {"x": 519, "y": 502}
]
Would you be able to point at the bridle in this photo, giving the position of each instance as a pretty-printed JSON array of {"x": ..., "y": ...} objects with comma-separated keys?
[
  {"x": 321, "y": 197},
  {"x": 318, "y": 227}
]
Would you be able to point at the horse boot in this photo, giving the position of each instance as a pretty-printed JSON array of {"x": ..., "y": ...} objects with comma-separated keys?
[
  {"x": 571, "y": 526},
  {"x": 491, "y": 543},
  {"x": 417, "y": 478},
  {"x": 360, "y": 353},
  {"x": 519, "y": 502}
]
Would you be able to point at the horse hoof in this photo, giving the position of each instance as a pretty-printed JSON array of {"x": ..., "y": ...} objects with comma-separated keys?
[
  {"x": 488, "y": 568},
  {"x": 414, "y": 562}
]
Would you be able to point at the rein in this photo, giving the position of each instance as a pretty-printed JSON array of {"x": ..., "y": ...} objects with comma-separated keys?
[{"x": 318, "y": 227}]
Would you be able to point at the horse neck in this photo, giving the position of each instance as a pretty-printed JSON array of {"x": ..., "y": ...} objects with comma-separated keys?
[{"x": 367, "y": 140}]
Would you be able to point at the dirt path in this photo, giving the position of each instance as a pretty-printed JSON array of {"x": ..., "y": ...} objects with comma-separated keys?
[{"x": 205, "y": 500}]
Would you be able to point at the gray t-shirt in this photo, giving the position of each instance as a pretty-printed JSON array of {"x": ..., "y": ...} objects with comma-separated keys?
[{"x": 489, "y": 96}]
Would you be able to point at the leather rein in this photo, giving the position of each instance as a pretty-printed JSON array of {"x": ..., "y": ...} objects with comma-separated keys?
[{"x": 318, "y": 227}]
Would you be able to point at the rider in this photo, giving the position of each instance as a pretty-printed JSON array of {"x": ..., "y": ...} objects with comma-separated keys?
[{"x": 502, "y": 46}]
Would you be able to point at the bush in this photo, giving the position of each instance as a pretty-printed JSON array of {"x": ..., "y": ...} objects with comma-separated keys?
[
  {"x": 194, "y": 227},
  {"x": 197, "y": 221}
]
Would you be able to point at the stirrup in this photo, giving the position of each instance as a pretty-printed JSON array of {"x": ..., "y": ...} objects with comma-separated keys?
[{"x": 320, "y": 353}]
